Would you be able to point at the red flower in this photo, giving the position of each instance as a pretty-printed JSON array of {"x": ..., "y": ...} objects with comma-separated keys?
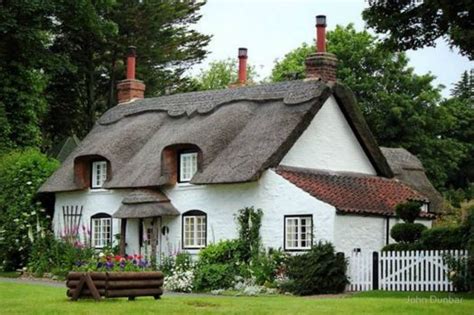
[{"x": 118, "y": 258}]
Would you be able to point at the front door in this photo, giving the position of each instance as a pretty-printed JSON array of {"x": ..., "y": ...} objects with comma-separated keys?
[{"x": 151, "y": 238}]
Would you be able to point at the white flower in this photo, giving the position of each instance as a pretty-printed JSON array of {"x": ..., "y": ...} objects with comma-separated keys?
[
  {"x": 101, "y": 255},
  {"x": 28, "y": 183}
]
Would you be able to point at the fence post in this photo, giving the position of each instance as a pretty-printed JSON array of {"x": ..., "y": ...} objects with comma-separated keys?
[{"x": 375, "y": 271}]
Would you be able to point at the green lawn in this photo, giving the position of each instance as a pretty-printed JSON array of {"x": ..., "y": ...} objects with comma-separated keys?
[{"x": 40, "y": 299}]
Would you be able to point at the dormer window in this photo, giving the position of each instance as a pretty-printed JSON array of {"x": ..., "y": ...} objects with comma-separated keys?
[
  {"x": 188, "y": 166},
  {"x": 99, "y": 174}
]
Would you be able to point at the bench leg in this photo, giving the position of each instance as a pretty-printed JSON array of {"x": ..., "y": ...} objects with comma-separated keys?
[
  {"x": 131, "y": 298},
  {"x": 157, "y": 297}
]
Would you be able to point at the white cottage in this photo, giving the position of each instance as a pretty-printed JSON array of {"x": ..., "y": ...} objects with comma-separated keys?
[{"x": 169, "y": 173}]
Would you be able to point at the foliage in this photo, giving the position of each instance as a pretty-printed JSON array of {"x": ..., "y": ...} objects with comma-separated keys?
[
  {"x": 444, "y": 238},
  {"x": 398, "y": 247},
  {"x": 458, "y": 273},
  {"x": 400, "y": 107},
  {"x": 265, "y": 267},
  {"x": 415, "y": 24},
  {"x": 470, "y": 246},
  {"x": 249, "y": 221},
  {"x": 22, "y": 218},
  {"x": 249, "y": 287},
  {"x": 318, "y": 271},
  {"x": 214, "y": 276},
  {"x": 407, "y": 232},
  {"x": 60, "y": 60},
  {"x": 24, "y": 26},
  {"x": 221, "y": 74},
  {"x": 56, "y": 256},
  {"x": 408, "y": 211},
  {"x": 218, "y": 265}
]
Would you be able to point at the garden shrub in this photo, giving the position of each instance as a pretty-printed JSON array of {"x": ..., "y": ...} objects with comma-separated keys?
[
  {"x": 470, "y": 247},
  {"x": 407, "y": 232},
  {"x": 318, "y": 271},
  {"x": 218, "y": 265},
  {"x": 179, "y": 272},
  {"x": 56, "y": 256},
  {"x": 401, "y": 247},
  {"x": 408, "y": 211},
  {"x": 444, "y": 238},
  {"x": 214, "y": 276},
  {"x": 22, "y": 218}
]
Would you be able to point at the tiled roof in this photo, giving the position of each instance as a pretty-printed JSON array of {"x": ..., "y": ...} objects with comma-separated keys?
[{"x": 353, "y": 193}]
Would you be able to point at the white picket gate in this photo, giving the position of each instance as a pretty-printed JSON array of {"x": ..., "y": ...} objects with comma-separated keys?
[{"x": 401, "y": 271}]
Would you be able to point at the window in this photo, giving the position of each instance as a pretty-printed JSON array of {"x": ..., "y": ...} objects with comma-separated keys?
[
  {"x": 188, "y": 163},
  {"x": 425, "y": 207},
  {"x": 194, "y": 229},
  {"x": 101, "y": 227},
  {"x": 99, "y": 173},
  {"x": 298, "y": 232}
]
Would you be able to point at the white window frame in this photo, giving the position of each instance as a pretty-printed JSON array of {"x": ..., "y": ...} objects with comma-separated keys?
[
  {"x": 193, "y": 238},
  {"x": 425, "y": 207},
  {"x": 99, "y": 174},
  {"x": 188, "y": 166},
  {"x": 308, "y": 234},
  {"x": 101, "y": 230}
]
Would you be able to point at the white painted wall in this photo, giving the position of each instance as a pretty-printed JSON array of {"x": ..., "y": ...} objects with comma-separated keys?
[
  {"x": 93, "y": 201},
  {"x": 273, "y": 194},
  {"x": 365, "y": 232},
  {"x": 329, "y": 143}
]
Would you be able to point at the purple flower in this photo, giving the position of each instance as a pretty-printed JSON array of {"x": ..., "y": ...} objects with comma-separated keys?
[{"x": 109, "y": 265}]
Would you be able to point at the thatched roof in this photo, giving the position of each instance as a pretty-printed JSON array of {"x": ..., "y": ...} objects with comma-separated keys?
[
  {"x": 241, "y": 132},
  {"x": 145, "y": 203},
  {"x": 408, "y": 169}
]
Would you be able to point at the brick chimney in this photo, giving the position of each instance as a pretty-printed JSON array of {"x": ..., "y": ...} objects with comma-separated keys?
[
  {"x": 242, "y": 66},
  {"x": 321, "y": 65},
  {"x": 130, "y": 88}
]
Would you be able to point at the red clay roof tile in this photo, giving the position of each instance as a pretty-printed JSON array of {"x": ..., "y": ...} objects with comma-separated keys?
[{"x": 353, "y": 193}]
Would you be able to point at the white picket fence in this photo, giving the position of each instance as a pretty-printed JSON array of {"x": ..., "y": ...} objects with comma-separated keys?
[{"x": 401, "y": 271}]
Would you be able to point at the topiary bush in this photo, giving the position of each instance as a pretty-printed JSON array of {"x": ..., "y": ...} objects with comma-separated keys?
[
  {"x": 408, "y": 211},
  {"x": 22, "y": 218},
  {"x": 401, "y": 247},
  {"x": 407, "y": 232},
  {"x": 318, "y": 271}
]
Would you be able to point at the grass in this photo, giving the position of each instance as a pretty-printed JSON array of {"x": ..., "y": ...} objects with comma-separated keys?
[{"x": 40, "y": 299}]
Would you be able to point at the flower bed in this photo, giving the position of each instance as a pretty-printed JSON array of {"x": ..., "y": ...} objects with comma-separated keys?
[{"x": 114, "y": 284}]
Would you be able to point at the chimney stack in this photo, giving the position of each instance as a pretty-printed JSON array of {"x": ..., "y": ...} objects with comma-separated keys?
[
  {"x": 321, "y": 65},
  {"x": 130, "y": 88},
  {"x": 242, "y": 66}
]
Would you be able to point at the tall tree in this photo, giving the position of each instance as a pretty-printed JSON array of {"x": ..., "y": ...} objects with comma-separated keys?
[
  {"x": 414, "y": 24},
  {"x": 461, "y": 110},
  {"x": 92, "y": 39},
  {"x": 399, "y": 105},
  {"x": 24, "y": 31}
]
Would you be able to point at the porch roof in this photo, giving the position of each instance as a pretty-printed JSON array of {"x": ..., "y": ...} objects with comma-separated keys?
[{"x": 145, "y": 203}]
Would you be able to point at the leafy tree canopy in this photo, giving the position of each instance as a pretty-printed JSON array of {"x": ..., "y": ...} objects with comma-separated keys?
[
  {"x": 415, "y": 24},
  {"x": 221, "y": 74}
]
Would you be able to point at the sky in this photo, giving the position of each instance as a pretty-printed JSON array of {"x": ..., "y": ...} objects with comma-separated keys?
[{"x": 271, "y": 28}]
